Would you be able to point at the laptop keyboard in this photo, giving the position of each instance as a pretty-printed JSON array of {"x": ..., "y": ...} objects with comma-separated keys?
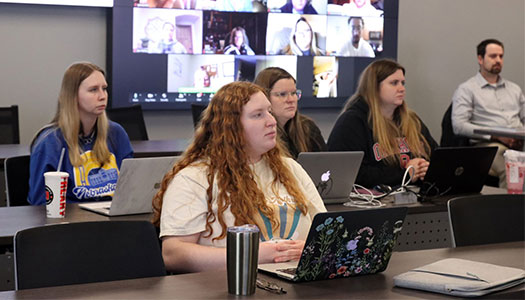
[{"x": 290, "y": 271}]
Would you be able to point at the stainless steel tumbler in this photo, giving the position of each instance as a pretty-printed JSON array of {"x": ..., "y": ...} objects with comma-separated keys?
[{"x": 242, "y": 247}]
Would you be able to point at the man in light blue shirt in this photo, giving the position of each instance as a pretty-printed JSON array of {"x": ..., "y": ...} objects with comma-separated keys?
[{"x": 488, "y": 100}]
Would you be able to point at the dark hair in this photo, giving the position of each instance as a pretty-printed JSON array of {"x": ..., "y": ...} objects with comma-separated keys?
[
  {"x": 482, "y": 47},
  {"x": 354, "y": 17},
  {"x": 269, "y": 76}
]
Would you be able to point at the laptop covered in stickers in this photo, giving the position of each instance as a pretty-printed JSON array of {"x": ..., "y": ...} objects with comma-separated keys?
[
  {"x": 343, "y": 244},
  {"x": 138, "y": 182}
]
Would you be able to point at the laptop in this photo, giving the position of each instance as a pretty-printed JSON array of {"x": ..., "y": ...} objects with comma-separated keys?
[
  {"x": 457, "y": 170},
  {"x": 333, "y": 173},
  {"x": 343, "y": 244},
  {"x": 137, "y": 184}
]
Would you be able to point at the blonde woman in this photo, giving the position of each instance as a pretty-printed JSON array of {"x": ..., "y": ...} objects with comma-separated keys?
[
  {"x": 94, "y": 146},
  {"x": 377, "y": 120},
  {"x": 302, "y": 40},
  {"x": 234, "y": 173}
]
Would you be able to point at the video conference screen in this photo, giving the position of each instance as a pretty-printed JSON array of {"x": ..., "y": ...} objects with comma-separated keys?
[
  {"x": 168, "y": 54},
  {"x": 99, "y": 3}
]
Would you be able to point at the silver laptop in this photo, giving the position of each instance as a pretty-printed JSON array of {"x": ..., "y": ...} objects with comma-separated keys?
[
  {"x": 333, "y": 173},
  {"x": 137, "y": 184}
]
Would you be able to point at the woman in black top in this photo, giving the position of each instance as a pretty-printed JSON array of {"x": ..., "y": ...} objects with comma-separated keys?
[
  {"x": 298, "y": 132},
  {"x": 377, "y": 121}
]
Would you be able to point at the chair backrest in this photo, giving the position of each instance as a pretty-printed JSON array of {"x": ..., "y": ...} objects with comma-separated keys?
[
  {"x": 484, "y": 219},
  {"x": 9, "y": 126},
  {"x": 196, "y": 112},
  {"x": 16, "y": 170},
  {"x": 131, "y": 119},
  {"x": 448, "y": 138},
  {"x": 74, "y": 253}
]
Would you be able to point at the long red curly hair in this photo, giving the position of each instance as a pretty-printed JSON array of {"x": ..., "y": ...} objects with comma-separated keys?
[{"x": 219, "y": 144}]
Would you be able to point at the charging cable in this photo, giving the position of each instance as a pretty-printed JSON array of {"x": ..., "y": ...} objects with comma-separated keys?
[
  {"x": 369, "y": 200},
  {"x": 363, "y": 200}
]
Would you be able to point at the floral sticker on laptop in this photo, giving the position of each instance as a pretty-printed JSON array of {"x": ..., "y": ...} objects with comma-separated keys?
[{"x": 336, "y": 252}]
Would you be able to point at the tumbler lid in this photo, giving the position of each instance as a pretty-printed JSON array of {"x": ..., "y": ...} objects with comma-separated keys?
[{"x": 244, "y": 228}]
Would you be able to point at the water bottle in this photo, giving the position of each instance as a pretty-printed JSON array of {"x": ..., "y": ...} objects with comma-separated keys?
[{"x": 242, "y": 252}]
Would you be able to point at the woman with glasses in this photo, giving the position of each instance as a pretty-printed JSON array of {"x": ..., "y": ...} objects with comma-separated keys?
[
  {"x": 377, "y": 121},
  {"x": 298, "y": 132}
]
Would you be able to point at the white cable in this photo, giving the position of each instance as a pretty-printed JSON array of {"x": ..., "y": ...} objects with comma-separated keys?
[
  {"x": 407, "y": 171},
  {"x": 368, "y": 200}
]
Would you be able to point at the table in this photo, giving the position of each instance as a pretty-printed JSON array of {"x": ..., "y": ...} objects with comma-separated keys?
[
  {"x": 514, "y": 133},
  {"x": 13, "y": 219},
  {"x": 213, "y": 285},
  {"x": 8, "y": 150},
  {"x": 426, "y": 227}
]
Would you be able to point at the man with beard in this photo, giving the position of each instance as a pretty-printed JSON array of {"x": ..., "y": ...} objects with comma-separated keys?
[
  {"x": 488, "y": 100},
  {"x": 356, "y": 46}
]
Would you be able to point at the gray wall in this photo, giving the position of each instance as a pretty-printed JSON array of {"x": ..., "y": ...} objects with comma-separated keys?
[
  {"x": 436, "y": 45},
  {"x": 37, "y": 43}
]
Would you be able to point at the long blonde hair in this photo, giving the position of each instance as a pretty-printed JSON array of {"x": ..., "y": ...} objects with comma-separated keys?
[
  {"x": 67, "y": 117},
  {"x": 405, "y": 122},
  {"x": 219, "y": 145},
  {"x": 294, "y": 128},
  {"x": 293, "y": 49}
]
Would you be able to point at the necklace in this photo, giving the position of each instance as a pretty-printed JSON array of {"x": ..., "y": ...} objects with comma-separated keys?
[{"x": 86, "y": 139}]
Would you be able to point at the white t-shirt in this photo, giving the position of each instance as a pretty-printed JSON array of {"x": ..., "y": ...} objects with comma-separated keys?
[
  {"x": 184, "y": 207},
  {"x": 363, "y": 49}
]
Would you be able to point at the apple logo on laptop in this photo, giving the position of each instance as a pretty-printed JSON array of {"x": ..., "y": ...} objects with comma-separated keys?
[
  {"x": 326, "y": 176},
  {"x": 325, "y": 185},
  {"x": 459, "y": 171}
]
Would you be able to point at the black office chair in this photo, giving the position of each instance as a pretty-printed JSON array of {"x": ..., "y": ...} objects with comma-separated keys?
[
  {"x": 131, "y": 119},
  {"x": 484, "y": 219},
  {"x": 9, "y": 126},
  {"x": 448, "y": 137},
  {"x": 196, "y": 113},
  {"x": 16, "y": 170},
  {"x": 74, "y": 253}
]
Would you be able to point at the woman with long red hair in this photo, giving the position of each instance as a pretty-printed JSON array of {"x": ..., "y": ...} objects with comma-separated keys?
[{"x": 234, "y": 173}]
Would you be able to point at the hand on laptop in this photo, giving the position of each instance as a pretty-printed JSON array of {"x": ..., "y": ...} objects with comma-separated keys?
[
  {"x": 420, "y": 167},
  {"x": 280, "y": 251}
]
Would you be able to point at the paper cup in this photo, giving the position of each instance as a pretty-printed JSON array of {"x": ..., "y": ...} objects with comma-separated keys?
[
  {"x": 515, "y": 168},
  {"x": 56, "y": 187}
]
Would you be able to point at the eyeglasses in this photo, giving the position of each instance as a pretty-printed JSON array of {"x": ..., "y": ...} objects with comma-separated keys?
[{"x": 284, "y": 95}]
